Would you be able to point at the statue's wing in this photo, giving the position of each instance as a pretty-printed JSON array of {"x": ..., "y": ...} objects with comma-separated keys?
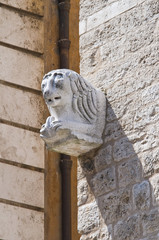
[{"x": 84, "y": 98}]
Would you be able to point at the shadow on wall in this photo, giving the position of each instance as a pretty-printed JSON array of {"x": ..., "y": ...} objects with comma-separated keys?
[{"x": 118, "y": 189}]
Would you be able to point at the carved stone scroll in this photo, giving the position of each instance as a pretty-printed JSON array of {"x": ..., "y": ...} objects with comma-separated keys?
[{"x": 77, "y": 110}]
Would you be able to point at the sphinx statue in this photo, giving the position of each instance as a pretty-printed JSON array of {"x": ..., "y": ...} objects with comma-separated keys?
[{"x": 77, "y": 113}]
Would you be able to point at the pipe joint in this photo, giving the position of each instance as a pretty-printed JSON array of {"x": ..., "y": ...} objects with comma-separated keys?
[
  {"x": 64, "y": 43},
  {"x": 64, "y": 6}
]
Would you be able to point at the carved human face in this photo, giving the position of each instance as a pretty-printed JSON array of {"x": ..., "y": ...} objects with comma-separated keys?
[{"x": 56, "y": 89}]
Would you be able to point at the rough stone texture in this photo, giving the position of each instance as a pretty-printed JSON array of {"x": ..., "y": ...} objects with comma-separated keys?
[
  {"x": 150, "y": 222},
  {"x": 18, "y": 26},
  {"x": 25, "y": 224},
  {"x": 129, "y": 172},
  {"x": 128, "y": 229},
  {"x": 21, "y": 185},
  {"x": 115, "y": 205},
  {"x": 104, "y": 234},
  {"x": 83, "y": 191},
  {"x": 24, "y": 69},
  {"x": 103, "y": 158},
  {"x": 104, "y": 181},
  {"x": 141, "y": 195},
  {"x": 154, "y": 181},
  {"x": 88, "y": 219},
  {"x": 119, "y": 54}
]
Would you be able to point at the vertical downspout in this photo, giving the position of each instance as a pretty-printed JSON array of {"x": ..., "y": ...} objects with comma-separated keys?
[{"x": 65, "y": 163}]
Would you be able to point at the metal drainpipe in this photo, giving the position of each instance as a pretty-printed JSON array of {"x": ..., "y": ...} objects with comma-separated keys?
[{"x": 66, "y": 162}]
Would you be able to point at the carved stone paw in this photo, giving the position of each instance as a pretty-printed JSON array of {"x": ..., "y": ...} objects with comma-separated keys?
[{"x": 48, "y": 130}]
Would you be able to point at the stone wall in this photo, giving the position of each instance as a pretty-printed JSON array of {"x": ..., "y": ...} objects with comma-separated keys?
[
  {"x": 21, "y": 116},
  {"x": 118, "y": 185}
]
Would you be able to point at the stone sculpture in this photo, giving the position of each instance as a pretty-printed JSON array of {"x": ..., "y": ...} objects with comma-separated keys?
[{"x": 77, "y": 113}]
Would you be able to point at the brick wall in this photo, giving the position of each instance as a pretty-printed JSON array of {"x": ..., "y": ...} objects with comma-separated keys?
[
  {"x": 118, "y": 188},
  {"x": 21, "y": 115}
]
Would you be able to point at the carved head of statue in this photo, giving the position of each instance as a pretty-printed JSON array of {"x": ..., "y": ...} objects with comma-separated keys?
[{"x": 77, "y": 113}]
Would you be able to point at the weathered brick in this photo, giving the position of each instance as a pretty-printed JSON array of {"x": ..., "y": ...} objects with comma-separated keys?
[
  {"x": 21, "y": 185},
  {"x": 88, "y": 218},
  {"x": 113, "y": 131},
  {"x": 104, "y": 181},
  {"x": 21, "y": 68},
  {"x": 128, "y": 229},
  {"x": 115, "y": 205},
  {"x": 24, "y": 223},
  {"x": 154, "y": 181},
  {"x": 141, "y": 195},
  {"x": 21, "y": 30},
  {"x": 21, "y": 146},
  {"x": 103, "y": 158},
  {"x": 150, "y": 222},
  {"x": 129, "y": 172}
]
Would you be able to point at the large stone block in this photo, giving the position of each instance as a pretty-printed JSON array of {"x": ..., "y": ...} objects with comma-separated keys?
[
  {"x": 110, "y": 12},
  {"x": 21, "y": 185},
  {"x": 150, "y": 222},
  {"x": 21, "y": 30},
  {"x": 20, "y": 223},
  {"x": 154, "y": 181},
  {"x": 29, "y": 5},
  {"x": 104, "y": 181},
  {"x": 21, "y": 146},
  {"x": 103, "y": 158},
  {"x": 128, "y": 229},
  {"x": 21, "y": 107},
  {"x": 21, "y": 68},
  {"x": 82, "y": 191},
  {"x": 129, "y": 172},
  {"x": 115, "y": 205},
  {"x": 105, "y": 233},
  {"x": 123, "y": 148},
  {"x": 88, "y": 218},
  {"x": 141, "y": 196}
]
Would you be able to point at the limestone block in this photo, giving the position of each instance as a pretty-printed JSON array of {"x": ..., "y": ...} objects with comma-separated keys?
[
  {"x": 21, "y": 185},
  {"x": 141, "y": 195},
  {"x": 150, "y": 222},
  {"x": 105, "y": 233},
  {"x": 103, "y": 158},
  {"x": 82, "y": 191},
  {"x": 154, "y": 181},
  {"x": 128, "y": 229},
  {"x": 123, "y": 149},
  {"x": 129, "y": 172},
  {"x": 115, "y": 205},
  {"x": 29, "y": 5},
  {"x": 29, "y": 71},
  {"x": 88, "y": 218},
  {"x": 155, "y": 237},
  {"x": 21, "y": 146},
  {"x": 21, "y": 30},
  {"x": 24, "y": 223},
  {"x": 110, "y": 12},
  {"x": 77, "y": 110},
  {"x": 21, "y": 107},
  {"x": 150, "y": 162},
  {"x": 104, "y": 181}
]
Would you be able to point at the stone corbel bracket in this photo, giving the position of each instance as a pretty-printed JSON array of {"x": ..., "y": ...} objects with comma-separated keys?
[{"x": 77, "y": 111}]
